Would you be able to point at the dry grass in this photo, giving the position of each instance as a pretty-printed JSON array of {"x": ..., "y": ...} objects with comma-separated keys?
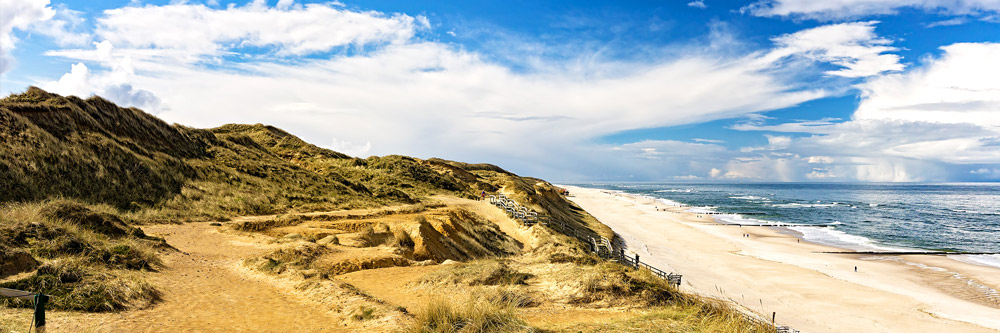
[
  {"x": 489, "y": 272},
  {"x": 476, "y": 312},
  {"x": 401, "y": 239},
  {"x": 692, "y": 315},
  {"x": 90, "y": 260}
]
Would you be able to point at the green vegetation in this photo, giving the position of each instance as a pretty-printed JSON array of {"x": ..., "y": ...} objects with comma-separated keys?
[{"x": 85, "y": 257}]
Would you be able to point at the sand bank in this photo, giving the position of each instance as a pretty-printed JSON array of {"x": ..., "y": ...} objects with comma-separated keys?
[{"x": 771, "y": 271}]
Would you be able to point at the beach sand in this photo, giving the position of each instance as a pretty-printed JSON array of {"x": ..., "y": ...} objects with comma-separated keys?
[{"x": 770, "y": 272}]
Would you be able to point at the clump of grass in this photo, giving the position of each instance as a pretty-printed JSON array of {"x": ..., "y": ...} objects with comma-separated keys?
[
  {"x": 283, "y": 220},
  {"x": 125, "y": 255},
  {"x": 402, "y": 239},
  {"x": 94, "y": 220},
  {"x": 469, "y": 314},
  {"x": 89, "y": 259},
  {"x": 489, "y": 272},
  {"x": 300, "y": 257},
  {"x": 363, "y": 313},
  {"x": 366, "y": 237},
  {"x": 615, "y": 283},
  {"x": 78, "y": 286},
  {"x": 510, "y": 295},
  {"x": 586, "y": 259}
]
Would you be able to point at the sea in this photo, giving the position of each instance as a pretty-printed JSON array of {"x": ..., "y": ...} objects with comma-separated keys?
[{"x": 859, "y": 216}]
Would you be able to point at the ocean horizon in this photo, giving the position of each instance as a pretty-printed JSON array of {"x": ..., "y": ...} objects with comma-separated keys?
[{"x": 961, "y": 217}]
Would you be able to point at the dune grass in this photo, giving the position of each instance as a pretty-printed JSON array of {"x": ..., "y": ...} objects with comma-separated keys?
[
  {"x": 490, "y": 272},
  {"x": 88, "y": 258},
  {"x": 487, "y": 310}
]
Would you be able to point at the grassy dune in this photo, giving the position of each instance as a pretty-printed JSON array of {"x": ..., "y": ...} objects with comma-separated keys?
[{"x": 80, "y": 174}]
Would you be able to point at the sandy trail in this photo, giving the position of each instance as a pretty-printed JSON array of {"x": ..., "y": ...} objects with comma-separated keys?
[
  {"x": 204, "y": 291},
  {"x": 813, "y": 292}
]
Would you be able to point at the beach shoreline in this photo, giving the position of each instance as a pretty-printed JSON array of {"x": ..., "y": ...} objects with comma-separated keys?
[{"x": 770, "y": 270}]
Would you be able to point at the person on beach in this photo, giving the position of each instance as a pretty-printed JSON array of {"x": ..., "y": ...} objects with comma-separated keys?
[
  {"x": 483, "y": 195},
  {"x": 855, "y": 269}
]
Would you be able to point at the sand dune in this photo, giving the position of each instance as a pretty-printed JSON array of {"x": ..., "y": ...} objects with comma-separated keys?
[{"x": 770, "y": 272}]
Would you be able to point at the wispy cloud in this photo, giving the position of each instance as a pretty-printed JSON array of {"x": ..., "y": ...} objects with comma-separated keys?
[
  {"x": 948, "y": 22},
  {"x": 848, "y": 9},
  {"x": 697, "y": 4}
]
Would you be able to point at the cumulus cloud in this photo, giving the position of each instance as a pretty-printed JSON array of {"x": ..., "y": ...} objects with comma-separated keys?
[
  {"x": 913, "y": 126},
  {"x": 958, "y": 87},
  {"x": 80, "y": 82},
  {"x": 846, "y": 9},
  {"x": 351, "y": 148}
]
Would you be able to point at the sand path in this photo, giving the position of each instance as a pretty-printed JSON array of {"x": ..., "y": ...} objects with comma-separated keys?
[
  {"x": 205, "y": 290},
  {"x": 771, "y": 272}
]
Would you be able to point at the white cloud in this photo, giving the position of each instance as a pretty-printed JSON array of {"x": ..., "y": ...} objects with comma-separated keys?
[
  {"x": 820, "y": 173},
  {"x": 987, "y": 173},
  {"x": 845, "y": 9},
  {"x": 853, "y": 46},
  {"x": 714, "y": 173},
  {"x": 688, "y": 178},
  {"x": 818, "y": 159},
  {"x": 697, "y": 4},
  {"x": 410, "y": 96},
  {"x": 36, "y": 16},
  {"x": 114, "y": 87},
  {"x": 958, "y": 87},
  {"x": 948, "y": 22},
  {"x": 707, "y": 140},
  {"x": 198, "y": 30},
  {"x": 18, "y": 14},
  {"x": 351, "y": 148},
  {"x": 914, "y": 126}
]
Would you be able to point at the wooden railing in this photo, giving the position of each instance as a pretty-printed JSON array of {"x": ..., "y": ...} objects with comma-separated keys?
[{"x": 526, "y": 215}]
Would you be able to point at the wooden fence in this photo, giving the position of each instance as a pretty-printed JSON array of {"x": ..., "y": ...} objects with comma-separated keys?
[{"x": 526, "y": 215}]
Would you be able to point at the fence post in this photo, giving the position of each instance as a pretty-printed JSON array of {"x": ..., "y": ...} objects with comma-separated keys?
[
  {"x": 637, "y": 261},
  {"x": 40, "y": 300}
]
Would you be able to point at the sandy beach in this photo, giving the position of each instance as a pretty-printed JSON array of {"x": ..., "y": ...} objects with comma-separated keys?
[{"x": 772, "y": 271}]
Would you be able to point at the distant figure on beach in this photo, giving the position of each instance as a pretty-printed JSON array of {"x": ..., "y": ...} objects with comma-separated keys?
[
  {"x": 855, "y": 269},
  {"x": 483, "y": 195}
]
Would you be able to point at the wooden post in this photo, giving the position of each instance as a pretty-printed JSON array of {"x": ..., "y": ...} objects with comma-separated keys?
[
  {"x": 772, "y": 317},
  {"x": 636, "y": 261},
  {"x": 40, "y": 300}
]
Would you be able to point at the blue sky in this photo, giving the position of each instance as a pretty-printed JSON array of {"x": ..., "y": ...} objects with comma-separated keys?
[{"x": 760, "y": 90}]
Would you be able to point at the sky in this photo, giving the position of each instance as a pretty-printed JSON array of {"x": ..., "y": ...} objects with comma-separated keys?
[{"x": 664, "y": 91}]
